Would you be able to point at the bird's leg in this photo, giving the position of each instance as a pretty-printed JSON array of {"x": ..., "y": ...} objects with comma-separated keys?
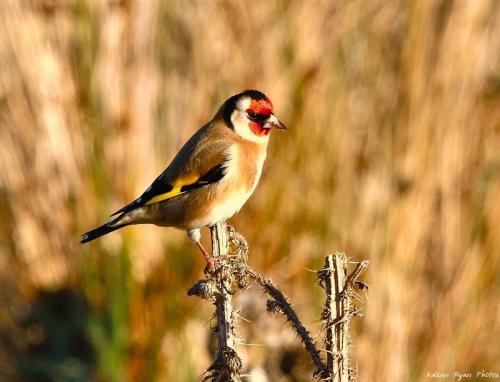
[
  {"x": 195, "y": 236},
  {"x": 211, "y": 261}
]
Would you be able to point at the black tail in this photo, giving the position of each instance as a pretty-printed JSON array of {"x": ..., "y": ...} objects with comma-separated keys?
[{"x": 110, "y": 226}]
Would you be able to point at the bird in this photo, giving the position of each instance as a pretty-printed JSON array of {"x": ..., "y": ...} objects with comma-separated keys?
[{"x": 211, "y": 177}]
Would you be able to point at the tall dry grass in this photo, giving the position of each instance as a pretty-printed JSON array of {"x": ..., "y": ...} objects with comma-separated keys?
[{"x": 393, "y": 154}]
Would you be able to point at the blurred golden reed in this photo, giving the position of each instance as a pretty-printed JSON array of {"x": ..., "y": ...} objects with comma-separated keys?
[{"x": 393, "y": 155}]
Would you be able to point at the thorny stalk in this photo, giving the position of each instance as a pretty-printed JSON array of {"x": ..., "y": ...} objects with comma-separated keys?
[
  {"x": 218, "y": 287},
  {"x": 337, "y": 313},
  {"x": 281, "y": 304},
  {"x": 231, "y": 251}
]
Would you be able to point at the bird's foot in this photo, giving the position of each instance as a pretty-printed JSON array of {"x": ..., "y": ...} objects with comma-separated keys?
[
  {"x": 212, "y": 264},
  {"x": 211, "y": 261}
]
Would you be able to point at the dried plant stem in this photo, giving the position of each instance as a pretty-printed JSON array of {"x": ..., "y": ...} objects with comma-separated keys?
[
  {"x": 227, "y": 365},
  {"x": 281, "y": 304},
  {"x": 336, "y": 308},
  {"x": 230, "y": 251},
  {"x": 352, "y": 278},
  {"x": 224, "y": 308},
  {"x": 337, "y": 313},
  {"x": 218, "y": 287}
]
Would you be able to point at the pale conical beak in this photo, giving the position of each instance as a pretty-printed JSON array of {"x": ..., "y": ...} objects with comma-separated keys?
[{"x": 274, "y": 123}]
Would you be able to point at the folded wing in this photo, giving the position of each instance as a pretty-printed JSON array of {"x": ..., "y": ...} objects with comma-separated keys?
[{"x": 200, "y": 162}]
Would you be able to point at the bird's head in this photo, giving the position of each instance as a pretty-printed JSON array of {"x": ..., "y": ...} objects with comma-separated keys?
[{"x": 250, "y": 114}]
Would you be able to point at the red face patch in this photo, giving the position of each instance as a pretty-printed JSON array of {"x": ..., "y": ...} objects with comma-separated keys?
[
  {"x": 262, "y": 106},
  {"x": 257, "y": 129}
]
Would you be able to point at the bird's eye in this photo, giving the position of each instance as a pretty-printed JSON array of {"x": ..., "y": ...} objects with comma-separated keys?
[
  {"x": 252, "y": 115},
  {"x": 256, "y": 117}
]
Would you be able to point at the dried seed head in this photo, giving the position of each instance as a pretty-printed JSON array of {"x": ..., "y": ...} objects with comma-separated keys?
[{"x": 204, "y": 289}]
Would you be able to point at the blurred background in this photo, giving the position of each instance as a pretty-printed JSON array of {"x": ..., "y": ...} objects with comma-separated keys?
[{"x": 392, "y": 155}]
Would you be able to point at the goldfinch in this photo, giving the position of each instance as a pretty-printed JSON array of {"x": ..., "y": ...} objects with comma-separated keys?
[{"x": 211, "y": 177}]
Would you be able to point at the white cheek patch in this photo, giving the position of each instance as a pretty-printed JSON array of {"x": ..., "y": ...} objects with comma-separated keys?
[{"x": 239, "y": 119}]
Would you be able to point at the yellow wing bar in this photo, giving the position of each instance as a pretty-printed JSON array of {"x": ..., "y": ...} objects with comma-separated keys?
[{"x": 176, "y": 190}]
